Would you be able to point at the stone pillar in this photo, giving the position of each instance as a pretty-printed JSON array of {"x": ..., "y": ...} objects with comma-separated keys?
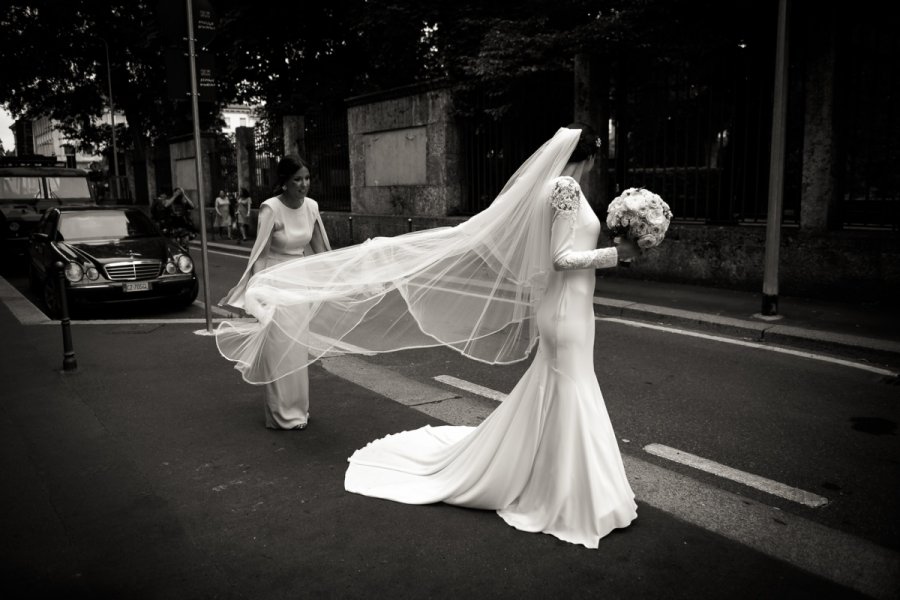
[
  {"x": 294, "y": 128},
  {"x": 820, "y": 186},
  {"x": 244, "y": 146}
]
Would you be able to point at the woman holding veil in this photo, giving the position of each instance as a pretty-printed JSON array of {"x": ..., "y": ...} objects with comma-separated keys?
[{"x": 546, "y": 459}]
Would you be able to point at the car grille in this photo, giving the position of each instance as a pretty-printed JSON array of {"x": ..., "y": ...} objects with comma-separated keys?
[{"x": 131, "y": 271}]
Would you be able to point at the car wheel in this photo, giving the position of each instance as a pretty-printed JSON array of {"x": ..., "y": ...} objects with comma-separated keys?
[{"x": 51, "y": 299}]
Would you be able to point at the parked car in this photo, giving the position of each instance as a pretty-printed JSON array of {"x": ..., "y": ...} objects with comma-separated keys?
[
  {"x": 109, "y": 254},
  {"x": 28, "y": 186}
]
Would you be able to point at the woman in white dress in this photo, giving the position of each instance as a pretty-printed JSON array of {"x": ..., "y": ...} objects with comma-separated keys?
[
  {"x": 222, "y": 222},
  {"x": 522, "y": 269},
  {"x": 289, "y": 228},
  {"x": 546, "y": 459}
]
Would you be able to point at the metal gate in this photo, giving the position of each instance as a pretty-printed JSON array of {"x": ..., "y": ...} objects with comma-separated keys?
[{"x": 328, "y": 154}]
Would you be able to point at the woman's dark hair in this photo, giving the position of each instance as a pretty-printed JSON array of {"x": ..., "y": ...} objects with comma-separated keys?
[
  {"x": 587, "y": 143},
  {"x": 245, "y": 193},
  {"x": 287, "y": 166}
]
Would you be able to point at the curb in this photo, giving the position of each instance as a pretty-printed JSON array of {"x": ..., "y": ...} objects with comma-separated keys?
[{"x": 755, "y": 330}]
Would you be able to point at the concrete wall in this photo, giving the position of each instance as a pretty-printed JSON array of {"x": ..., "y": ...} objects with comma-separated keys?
[
  {"x": 404, "y": 159},
  {"x": 850, "y": 265}
]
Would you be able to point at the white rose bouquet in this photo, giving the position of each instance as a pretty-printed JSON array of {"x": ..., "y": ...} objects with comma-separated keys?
[{"x": 639, "y": 215}]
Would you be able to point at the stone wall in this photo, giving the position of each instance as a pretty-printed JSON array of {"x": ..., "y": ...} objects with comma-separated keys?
[
  {"x": 850, "y": 265},
  {"x": 404, "y": 159}
]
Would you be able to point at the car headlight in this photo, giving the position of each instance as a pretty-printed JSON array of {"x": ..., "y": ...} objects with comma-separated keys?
[
  {"x": 13, "y": 226},
  {"x": 74, "y": 272},
  {"x": 185, "y": 264},
  {"x": 170, "y": 267},
  {"x": 92, "y": 273}
]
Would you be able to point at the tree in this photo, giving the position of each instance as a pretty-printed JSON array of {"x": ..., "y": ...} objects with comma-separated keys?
[{"x": 54, "y": 59}]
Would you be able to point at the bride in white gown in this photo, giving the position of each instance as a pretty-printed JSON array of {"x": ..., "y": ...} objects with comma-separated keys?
[
  {"x": 522, "y": 269},
  {"x": 546, "y": 459}
]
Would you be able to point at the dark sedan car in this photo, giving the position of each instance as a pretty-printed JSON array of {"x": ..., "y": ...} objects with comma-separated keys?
[{"x": 109, "y": 254}]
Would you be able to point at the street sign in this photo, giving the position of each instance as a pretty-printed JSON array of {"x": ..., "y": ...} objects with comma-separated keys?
[
  {"x": 178, "y": 75},
  {"x": 172, "y": 17}
]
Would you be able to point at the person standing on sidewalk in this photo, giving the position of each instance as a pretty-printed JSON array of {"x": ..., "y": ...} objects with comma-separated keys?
[
  {"x": 289, "y": 228},
  {"x": 242, "y": 213},
  {"x": 222, "y": 222}
]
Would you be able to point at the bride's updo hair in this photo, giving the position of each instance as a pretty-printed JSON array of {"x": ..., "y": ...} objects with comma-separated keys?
[{"x": 588, "y": 143}]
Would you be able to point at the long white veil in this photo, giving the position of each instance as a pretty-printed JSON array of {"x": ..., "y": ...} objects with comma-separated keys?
[{"x": 474, "y": 287}]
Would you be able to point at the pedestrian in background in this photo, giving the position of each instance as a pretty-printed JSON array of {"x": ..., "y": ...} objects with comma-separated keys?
[
  {"x": 289, "y": 228},
  {"x": 242, "y": 215},
  {"x": 222, "y": 222}
]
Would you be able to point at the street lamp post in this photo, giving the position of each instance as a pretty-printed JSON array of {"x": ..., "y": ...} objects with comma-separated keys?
[{"x": 112, "y": 120}]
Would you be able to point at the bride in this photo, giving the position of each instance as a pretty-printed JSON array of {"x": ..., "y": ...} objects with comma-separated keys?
[{"x": 546, "y": 459}]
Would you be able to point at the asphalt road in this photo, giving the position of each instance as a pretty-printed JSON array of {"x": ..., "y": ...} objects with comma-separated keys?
[{"x": 803, "y": 422}]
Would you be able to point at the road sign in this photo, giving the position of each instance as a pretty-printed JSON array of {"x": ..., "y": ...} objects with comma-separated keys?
[
  {"x": 172, "y": 16},
  {"x": 178, "y": 75}
]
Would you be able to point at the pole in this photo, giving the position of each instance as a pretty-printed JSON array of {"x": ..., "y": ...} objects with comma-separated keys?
[
  {"x": 69, "y": 362},
  {"x": 201, "y": 201},
  {"x": 112, "y": 120},
  {"x": 776, "y": 166}
]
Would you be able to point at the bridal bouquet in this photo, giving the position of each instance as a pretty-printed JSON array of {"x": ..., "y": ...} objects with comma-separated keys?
[{"x": 640, "y": 215}]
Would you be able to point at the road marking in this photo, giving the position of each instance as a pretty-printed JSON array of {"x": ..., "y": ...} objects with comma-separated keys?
[
  {"x": 828, "y": 553},
  {"x": 218, "y": 310},
  {"x": 236, "y": 252},
  {"x": 187, "y": 320},
  {"x": 757, "y": 345},
  {"x": 473, "y": 388},
  {"x": 774, "y": 488}
]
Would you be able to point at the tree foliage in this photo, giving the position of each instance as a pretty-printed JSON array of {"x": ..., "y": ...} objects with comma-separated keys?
[
  {"x": 289, "y": 57},
  {"x": 54, "y": 59}
]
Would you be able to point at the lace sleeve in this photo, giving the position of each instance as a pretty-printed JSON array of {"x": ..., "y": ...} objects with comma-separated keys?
[
  {"x": 601, "y": 258},
  {"x": 565, "y": 198}
]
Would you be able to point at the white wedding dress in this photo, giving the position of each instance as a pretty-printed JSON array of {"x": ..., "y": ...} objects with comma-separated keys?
[{"x": 546, "y": 459}]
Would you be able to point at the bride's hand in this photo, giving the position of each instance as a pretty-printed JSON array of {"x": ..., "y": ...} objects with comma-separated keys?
[{"x": 626, "y": 248}]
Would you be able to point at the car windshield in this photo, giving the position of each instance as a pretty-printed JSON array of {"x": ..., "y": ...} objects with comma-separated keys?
[
  {"x": 85, "y": 226},
  {"x": 17, "y": 187},
  {"x": 67, "y": 188}
]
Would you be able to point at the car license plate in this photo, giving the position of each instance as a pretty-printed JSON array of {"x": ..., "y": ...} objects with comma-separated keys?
[{"x": 137, "y": 286}]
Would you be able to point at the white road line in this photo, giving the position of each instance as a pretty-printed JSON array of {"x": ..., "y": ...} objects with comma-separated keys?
[
  {"x": 190, "y": 320},
  {"x": 755, "y": 481},
  {"x": 473, "y": 388},
  {"x": 745, "y": 343},
  {"x": 235, "y": 253}
]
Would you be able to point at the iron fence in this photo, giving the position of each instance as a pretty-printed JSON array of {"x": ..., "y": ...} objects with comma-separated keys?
[
  {"x": 328, "y": 154},
  {"x": 870, "y": 197},
  {"x": 263, "y": 156},
  {"x": 493, "y": 148},
  {"x": 696, "y": 131}
]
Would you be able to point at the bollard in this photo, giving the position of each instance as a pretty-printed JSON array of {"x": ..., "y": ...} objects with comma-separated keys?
[
  {"x": 409, "y": 225},
  {"x": 69, "y": 362},
  {"x": 350, "y": 221}
]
